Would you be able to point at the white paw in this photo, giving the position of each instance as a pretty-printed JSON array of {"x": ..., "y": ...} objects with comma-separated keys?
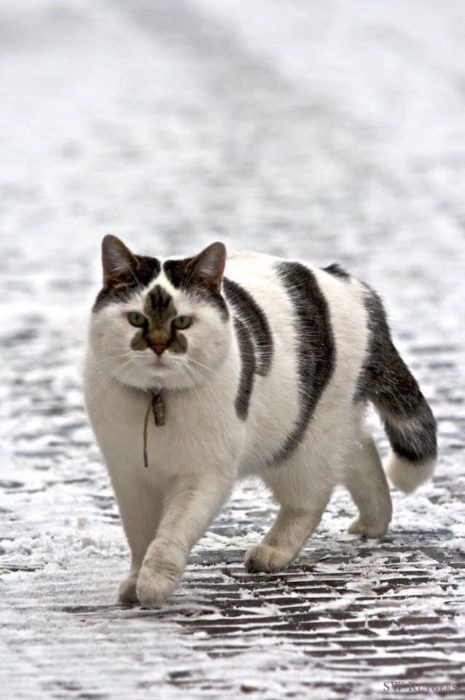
[
  {"x": 154, "y": 587},
  {"x": 127, "y": 590},
  {"x": 367, "y": 529},
  {"x": 265, "y": 558}
]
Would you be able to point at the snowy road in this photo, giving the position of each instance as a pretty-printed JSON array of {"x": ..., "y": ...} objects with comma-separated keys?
[{"x": 323, "y": 131}]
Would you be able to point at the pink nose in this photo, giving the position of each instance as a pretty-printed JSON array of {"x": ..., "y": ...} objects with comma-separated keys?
[{"x": 158, "y": 349}]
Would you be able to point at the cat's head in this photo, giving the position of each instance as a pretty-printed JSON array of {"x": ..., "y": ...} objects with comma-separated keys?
[{"x": 160, "y": 324}]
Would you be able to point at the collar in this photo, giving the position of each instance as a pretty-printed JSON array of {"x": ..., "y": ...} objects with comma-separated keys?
[{"x": 157, "y": 405}]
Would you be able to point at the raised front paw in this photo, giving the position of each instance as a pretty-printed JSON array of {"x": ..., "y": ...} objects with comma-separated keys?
[
  {"x": 154, "y": 587},
  {"x": 265, "y": 558}
]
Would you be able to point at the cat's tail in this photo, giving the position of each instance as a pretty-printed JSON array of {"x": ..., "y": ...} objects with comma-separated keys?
[
  {"x": 394, "y": 391},
  {"x": 414, "y": 450}
]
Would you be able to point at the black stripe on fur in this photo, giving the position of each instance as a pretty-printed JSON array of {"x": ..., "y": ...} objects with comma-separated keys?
[
  {"x": 315, "y": 348},
  {"x": 253, "y": 317},
  {"x": 246, "y": 349}
]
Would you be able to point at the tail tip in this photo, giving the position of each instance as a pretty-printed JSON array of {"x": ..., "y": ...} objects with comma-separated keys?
[{"x": 407, "y": 476}]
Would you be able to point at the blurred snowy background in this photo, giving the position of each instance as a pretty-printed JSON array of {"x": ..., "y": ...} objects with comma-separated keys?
[{"x": 327, "y": 131}]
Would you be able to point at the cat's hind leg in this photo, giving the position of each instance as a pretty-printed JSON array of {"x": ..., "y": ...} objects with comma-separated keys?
[
  {"x": 302, "y": 503},
  {"x": 366, "y": 482}
]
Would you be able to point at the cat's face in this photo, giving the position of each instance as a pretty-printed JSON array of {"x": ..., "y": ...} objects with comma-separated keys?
[{"x": 160, "y": 324}]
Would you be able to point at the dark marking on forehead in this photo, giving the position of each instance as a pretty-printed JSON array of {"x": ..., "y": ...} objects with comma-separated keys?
[
  {"x": 256, "y": 322},
  {"x": 314, "y": 347},
  {"x": 159, "y": 306},
  {"x": 337, "y": 271},
  {"x": 137, "y": 275},
  {"x": 160, "y": 332},
  {"x": 248, "y": 369}
]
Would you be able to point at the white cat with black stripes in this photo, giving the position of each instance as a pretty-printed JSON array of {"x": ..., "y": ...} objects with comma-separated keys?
[{"x": 200, "y": 371}]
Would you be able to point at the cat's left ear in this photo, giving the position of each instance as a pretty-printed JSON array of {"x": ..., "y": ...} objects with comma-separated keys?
[
  {"x": 209, "y": 266},
  {"x": 117, "y": 261}
]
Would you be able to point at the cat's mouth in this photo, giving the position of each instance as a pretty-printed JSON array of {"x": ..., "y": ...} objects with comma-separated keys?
[{"x": 160, "y": 363}]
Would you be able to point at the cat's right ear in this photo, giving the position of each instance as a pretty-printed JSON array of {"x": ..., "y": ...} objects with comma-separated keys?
[{"x": 117, "y": 261}]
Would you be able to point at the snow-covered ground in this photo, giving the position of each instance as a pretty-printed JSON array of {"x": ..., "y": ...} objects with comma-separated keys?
[{"x": 320, "y": 130}]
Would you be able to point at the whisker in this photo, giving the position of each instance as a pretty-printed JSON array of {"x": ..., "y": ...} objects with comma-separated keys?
[{"x": 210, "y": 369}]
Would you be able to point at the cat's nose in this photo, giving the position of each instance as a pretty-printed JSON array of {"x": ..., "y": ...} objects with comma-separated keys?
[{"x": 158, "y": 348}]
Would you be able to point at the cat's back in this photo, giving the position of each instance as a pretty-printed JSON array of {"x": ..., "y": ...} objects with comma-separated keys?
[
  {"x": 308, "y": 337},
  {"x": 306, "y": 321},
  {"x": 280, "y": 285}
]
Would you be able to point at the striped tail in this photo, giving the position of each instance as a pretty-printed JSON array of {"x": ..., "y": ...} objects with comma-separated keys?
[{"x": 408, "y": 420}]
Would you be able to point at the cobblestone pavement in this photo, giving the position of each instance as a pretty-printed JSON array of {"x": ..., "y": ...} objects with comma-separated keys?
[{"x": 323, "y": 131}]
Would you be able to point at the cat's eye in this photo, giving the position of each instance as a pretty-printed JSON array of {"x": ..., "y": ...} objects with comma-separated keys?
[
  {"x": 136, "y": 319},
  {"x": 182, "y": 322}
]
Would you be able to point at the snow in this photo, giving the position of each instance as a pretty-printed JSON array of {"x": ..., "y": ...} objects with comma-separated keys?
[{"x": 322, "y": 131}]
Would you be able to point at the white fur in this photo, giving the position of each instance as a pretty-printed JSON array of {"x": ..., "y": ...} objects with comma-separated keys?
[
  {"x": 407, "y": 477},
  {"x": 204, "y": 447}
]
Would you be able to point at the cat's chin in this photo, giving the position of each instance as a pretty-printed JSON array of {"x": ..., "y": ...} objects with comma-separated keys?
[
  {"x": 168, "y": 379},
  {"x": 155, "y": 381},
  {"x": 163, "y": 377}
]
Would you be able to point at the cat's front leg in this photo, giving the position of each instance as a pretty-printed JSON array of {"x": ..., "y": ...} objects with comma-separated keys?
[
  {"x": 190, "y": 505},
  {"x": 139, "y": 507}
]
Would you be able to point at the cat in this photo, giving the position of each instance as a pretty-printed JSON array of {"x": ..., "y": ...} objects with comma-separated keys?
[{"x": 204, "y": 370}]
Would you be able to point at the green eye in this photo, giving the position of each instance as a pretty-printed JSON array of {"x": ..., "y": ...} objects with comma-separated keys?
[
  {"x": 136, "y": 319},
  {"x": 182, "y": 322}
]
